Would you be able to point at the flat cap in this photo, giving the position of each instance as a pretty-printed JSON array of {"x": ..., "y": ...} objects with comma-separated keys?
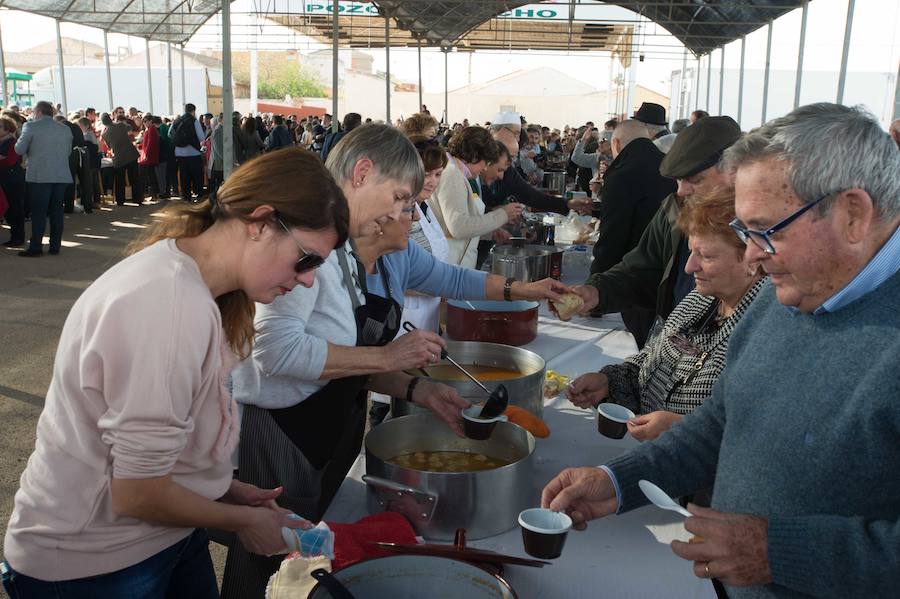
[{"x": 699, "y": 147}]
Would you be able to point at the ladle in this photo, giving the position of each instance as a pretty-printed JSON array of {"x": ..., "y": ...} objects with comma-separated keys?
[{"x": 497, "y": 401}]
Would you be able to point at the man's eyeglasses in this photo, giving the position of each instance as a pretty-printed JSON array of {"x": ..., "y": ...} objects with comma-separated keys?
[
  {"x": 761, "y": 238},
  {"x": 308, "y": 261}
]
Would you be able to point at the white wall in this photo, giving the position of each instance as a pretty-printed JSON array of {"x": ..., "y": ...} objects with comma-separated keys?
[{"x": 86, "y": 86}]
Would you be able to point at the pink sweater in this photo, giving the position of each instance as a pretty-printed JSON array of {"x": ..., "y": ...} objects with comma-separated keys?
[{"x": 137, "y": 392}]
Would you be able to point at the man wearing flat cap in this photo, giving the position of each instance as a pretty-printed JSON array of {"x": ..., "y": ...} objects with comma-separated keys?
[
  {"x": 652, "y": 274},
  {"x": 799, "y": 437}
]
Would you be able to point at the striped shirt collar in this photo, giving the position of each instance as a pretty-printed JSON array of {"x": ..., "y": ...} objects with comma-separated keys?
[{"x": 882, "y": 267}]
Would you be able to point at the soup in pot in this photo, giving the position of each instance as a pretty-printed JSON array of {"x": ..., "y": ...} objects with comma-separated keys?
[
  {"x": 448, "y": 372},
  {"x": 448, "y": 461}
]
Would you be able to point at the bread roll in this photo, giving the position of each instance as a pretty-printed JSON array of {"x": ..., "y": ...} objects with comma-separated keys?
[{"x": 568, "y": 306}]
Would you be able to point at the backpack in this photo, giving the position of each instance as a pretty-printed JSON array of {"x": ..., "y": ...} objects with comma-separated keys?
[{"x": 185, "y": 135}]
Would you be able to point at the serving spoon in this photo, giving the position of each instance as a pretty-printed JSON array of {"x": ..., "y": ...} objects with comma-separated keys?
[
  {"x": 498, "y": 400},
  {"x": 660, "y": 498}
]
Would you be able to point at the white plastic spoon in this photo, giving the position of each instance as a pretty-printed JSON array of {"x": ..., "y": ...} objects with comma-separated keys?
[{"x": 660, "y": 498}]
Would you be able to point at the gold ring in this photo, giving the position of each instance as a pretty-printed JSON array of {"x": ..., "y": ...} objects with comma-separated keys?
[{"x": 706, "y": 567}]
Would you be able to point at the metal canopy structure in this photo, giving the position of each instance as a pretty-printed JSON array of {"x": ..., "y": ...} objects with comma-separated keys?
[
  {"x": 702, "y": 25},
  {"x": 492, "y": 34}
]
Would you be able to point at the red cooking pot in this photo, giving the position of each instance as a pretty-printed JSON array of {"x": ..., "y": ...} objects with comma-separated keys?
[{"x": 509, "y": 323}]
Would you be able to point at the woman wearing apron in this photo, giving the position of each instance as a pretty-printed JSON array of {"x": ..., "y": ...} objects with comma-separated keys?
[
  {"x": 302, "y": 390},
  {"x": 422, "y": 310}
]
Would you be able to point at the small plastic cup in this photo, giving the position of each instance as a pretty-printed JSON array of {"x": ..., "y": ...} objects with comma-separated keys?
[
  {"x": 477, "y": 428},
  {"x": 544, "y": 532},
  {"x": 612, "y": 420}
]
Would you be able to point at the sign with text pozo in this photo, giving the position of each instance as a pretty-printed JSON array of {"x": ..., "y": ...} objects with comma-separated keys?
[{"x": 547, "y": 11}]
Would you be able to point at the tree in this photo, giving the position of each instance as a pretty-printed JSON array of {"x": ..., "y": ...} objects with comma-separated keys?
[{"x": 280, "y": 75}]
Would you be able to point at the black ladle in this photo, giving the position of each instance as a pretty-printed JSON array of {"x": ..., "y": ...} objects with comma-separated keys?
[
  {"x": 334, "y": 586},
  {"x": 498, "y": 399}
]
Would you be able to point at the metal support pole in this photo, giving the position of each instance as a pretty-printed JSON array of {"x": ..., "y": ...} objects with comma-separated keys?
[
  {"x": 419, "y": 47},
  {"x": 740, "y": 109},
  {"x": 254, "y": 83},
  {"x": 799, "y": 77},
  {"x": 696, "y": 99},
  {"x": 721, "y": 78},
  {"x": 170, "y": 103},
  {"x": 632, "y": 83},
  {"x": 3, "y": 74},
  {"x": 227, "y": 94},
  {"x": 387, "y": 70},
  {"x": 765, "y": 98},
  {"x": 708, "y": 77},
  {"x": 334, "y": 66},
  {"x": 183, "y": 86},
  {"x": 611, "y": 91},
  {"x": 108, "y": 71},
  {"x": 683, "y": 102},
  {"x": 149, "y": 74},
  {"x": 842, "y": 78},
  {"x": 897, "y": 97},
  {"x": 446, "y": 88},
  {"x": 62, "y": 69}
]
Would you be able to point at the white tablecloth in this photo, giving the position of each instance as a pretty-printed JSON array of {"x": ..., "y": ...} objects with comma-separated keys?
[{"x": 618, "y": 556}]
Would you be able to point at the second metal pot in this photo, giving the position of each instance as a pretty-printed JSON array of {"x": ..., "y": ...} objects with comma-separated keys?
[
  {"x": 485, "y": 503},
  {"x": 526, "y": 264}
]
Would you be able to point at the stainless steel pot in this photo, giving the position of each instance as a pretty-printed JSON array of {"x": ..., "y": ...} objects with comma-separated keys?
[
  {"x": 526, "y": 264},
  {"x": 526, "y": 391},
  {"x": 485, "y": 503},
  {"x": 555, "y": 181},
  {"x": 417, "y": 576}
]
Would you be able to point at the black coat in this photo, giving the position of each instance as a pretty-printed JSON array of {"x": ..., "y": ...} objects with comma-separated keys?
[
  {"x": 513, "y": 185},
  {"x": 632, "y": 192}
]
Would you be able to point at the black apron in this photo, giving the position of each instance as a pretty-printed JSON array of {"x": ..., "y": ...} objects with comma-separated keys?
[{"x": 328, "y": 426}]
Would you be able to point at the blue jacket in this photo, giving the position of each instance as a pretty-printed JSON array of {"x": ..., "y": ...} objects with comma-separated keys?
[{"x": 47, "y": 144}]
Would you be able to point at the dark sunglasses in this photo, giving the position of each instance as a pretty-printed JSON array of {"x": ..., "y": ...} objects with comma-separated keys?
[{"x": 308, "y": 261}]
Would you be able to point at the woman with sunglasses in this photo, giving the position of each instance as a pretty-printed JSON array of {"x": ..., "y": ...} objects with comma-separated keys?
[
  {"x": 133, "y": 455},
  {"x": 320, "y": 349},
  {"x": 676, "y": 370}
]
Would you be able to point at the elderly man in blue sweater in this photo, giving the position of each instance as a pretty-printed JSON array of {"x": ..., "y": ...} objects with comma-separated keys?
[{"x": 801, "y": 437}]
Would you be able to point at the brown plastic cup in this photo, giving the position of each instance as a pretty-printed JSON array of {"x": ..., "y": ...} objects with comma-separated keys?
[
  {"x": 612, "y": 420},
  {"x": 544, "y": 532}
]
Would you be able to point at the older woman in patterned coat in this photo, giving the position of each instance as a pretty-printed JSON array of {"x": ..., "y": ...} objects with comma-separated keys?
[{"x": 676, "y": 370}]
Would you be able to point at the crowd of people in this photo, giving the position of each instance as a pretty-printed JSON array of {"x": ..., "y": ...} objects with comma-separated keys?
[{"x": 757, "y": 271}]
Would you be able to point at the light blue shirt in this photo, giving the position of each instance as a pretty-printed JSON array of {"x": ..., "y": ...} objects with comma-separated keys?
[{"x": 419, "y": 270}]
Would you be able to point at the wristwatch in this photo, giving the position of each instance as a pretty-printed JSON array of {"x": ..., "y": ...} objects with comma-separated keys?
[{"x": 507, "y": 289}]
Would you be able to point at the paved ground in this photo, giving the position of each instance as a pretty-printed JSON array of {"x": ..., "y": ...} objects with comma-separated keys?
[{"x": 35, "y": 297}]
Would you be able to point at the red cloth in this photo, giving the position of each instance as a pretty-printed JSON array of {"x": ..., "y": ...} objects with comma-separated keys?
[
  {"x": 149, "y": 147},
  {"x": 353, "y": 542},
  {"x": 11, "y": 157}
]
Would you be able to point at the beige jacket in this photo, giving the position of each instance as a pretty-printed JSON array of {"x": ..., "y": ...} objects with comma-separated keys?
[{"x": 461, "y": 215}]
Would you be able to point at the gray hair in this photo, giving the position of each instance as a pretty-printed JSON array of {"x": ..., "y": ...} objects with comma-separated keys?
[
  {"x": 394, "y": 156},
  {"x": 630, "y": 130},
  {"x": 508, "y": 126},
  {"x": 828, "y": 148},
  {"x": 680, "y": 125},
  {"x": 44, "y": 108}
]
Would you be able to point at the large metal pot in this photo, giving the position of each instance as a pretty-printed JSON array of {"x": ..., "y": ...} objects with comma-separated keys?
[
  {"x": 555, "y": 181},
  {"x": 526, "y": 264},
  {"x": 526, "y": 391},
  {"x": 510, "y": 323},
  {"x": 417, "y": 576},
  {"x": 484, "y": 503}
]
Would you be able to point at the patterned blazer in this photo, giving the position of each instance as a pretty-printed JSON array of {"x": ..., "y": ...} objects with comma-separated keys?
[{"x": 663, "y": 376}]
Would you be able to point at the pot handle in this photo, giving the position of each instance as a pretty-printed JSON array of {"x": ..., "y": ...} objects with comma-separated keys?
[{"x": 415, "y": 504}]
